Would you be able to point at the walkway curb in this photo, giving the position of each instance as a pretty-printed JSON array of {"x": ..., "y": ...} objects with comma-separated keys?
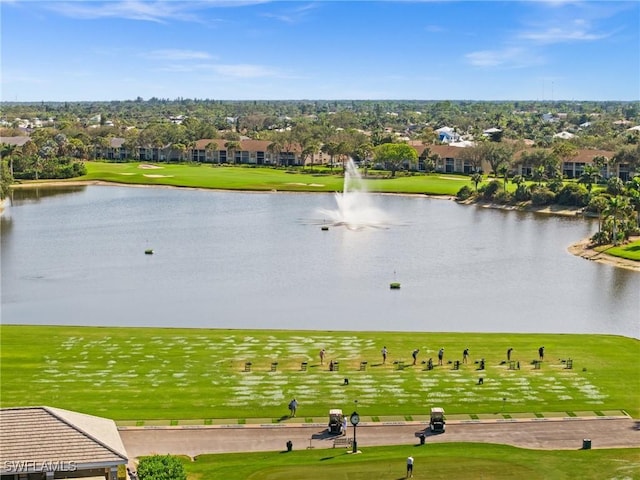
[{"x": 372, "y": 424}]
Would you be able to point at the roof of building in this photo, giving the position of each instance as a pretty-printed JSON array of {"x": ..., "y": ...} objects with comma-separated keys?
[
  {"x": 17, "y": 141},
  {"x": 32, "y": 436}
]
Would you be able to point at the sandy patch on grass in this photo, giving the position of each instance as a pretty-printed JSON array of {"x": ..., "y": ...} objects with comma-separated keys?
[
  {"x": 156, "y": 176},
  {"x": 146, "y": 166},
  {"x": 127, "y": 173},
  {"x": 300, "y": 184}
]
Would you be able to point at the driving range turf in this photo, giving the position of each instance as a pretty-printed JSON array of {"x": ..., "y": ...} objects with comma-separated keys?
[{"x": 200, "y": 375}]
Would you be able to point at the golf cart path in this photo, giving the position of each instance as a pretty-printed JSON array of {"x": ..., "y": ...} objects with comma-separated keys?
[{"x": 553, "y": 434}]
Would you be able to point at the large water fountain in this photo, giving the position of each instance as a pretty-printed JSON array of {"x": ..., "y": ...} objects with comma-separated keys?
[{"x": 355, "y": 209}]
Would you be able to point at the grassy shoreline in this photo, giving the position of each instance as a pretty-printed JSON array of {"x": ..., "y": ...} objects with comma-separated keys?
[{"x": 128, "y": 373}]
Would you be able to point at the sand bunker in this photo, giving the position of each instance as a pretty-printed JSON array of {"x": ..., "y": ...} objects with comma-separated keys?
[
  {"x": 148, "y": 167},
  {"x": 306, "y": 184},
  {"x": 156, "y": 176}
]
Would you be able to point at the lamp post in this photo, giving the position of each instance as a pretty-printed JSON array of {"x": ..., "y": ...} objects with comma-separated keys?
[{"x": 355, "y": 420}]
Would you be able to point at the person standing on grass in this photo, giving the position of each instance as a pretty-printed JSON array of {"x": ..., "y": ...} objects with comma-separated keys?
[
  {"x": 465, "y": 355},
  {"x": 322, "y": 354},
  {"x": 409, "y": 467},
  {"x": 509, "y": 350},
  {"x": 384, "y": 355},
  {"x": 415, "y": 355},
  {"x": 293, "y": 407},
  {"x": 541, "y": 353},
  {"x": 440, "y": 355}
]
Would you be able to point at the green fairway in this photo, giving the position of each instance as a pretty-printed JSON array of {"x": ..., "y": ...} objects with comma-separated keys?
[
  {"x": 263, "y": 178},
  {"x": 180, "y": 374},
  {"x": 630, "y": 251},
  {"x": 451, "y": 461}
]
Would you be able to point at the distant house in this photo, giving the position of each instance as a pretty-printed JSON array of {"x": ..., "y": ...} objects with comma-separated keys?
[
  {"x": 564, "y": 135},
  {"x": 48, "y": 443},
  {"x": 451, "y": 159},
  {"x": 447, "y": 135},
  {"x": 250, "y": 152}
]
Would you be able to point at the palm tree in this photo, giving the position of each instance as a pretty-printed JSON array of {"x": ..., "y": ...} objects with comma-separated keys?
[
  {"x": 232, "y": 147},
  {"x": 476, "y": 178},
  {"x": 364, "y": 151},
  {"x": 331, "y": 149},
  {"x": 539, "y": 174},
  {"x": 275, "y": 148},
  {"x": 209, "y": 149},
  {"x": 589, "y": 176},
  {"x": 615, "y": 211},
  {"x": 7, "y": 150}
]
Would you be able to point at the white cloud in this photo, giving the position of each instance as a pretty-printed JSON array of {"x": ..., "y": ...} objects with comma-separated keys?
[
  {"x": 510, "y": 57},
  {"x": 159, "y": 11},
  {"x": 293, "y": 15},
  {"x": 177, "y": 54},
  {"x": 577, "y": 31}
]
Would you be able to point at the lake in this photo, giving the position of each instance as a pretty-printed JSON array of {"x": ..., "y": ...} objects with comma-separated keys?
[{"x": 76, "y": 256}]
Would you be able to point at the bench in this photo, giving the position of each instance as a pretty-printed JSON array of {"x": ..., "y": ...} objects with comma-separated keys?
[
  {"x": 274, "y": 366},
  {"x": 569, "y": 364},
  {"x": 363, "y": 366},
  {"x": 343, "y": 442},
  {"x": 303, "y": 366},
  {"x": 399, "y": 364},
  {"x": 247, "y": 367}
]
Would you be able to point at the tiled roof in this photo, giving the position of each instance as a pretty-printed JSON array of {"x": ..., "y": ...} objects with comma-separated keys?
[
  {"x": 247, "y": 145},
  {"x": 17, "y": 141},
  {"x": 36, "y": 436}
]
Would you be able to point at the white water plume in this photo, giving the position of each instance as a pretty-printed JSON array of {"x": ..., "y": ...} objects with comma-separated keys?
[{"x": 355, "y": 209}]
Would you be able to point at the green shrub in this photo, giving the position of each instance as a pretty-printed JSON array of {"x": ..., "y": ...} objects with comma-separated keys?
[
  {"x": 573, "y": 194},
  {"x": 161, "y": 467},
  {"x": 542, "y": 196},
  {"x": 489, "y": 190},
  {"x": 464, "y": 193},
  {"x": 503, "y": 197},
  {"x": 522, "y": 193},
  {"x": 600, "y": 238}
]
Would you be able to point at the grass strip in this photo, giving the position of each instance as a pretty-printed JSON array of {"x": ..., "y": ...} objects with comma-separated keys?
[{"x": 439, "y": 461}]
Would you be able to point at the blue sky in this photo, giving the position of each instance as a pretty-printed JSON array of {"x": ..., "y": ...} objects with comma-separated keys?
[{"x": 242, "y": 50}]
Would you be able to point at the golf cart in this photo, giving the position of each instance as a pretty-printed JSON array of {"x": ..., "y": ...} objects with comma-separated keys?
[
  {"x": 436, "y": 424},
  {"x": 336, "y": 421}
]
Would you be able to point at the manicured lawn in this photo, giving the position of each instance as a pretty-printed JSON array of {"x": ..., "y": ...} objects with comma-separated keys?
[
  {"x": 264, "y": 179},
  {"x": 630, "y": 251},
  {"x": 451, "y": 461},
  {"x": 177, "y": 374}
]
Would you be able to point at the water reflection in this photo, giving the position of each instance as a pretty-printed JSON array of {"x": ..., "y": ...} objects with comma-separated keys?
[{"x": 20, "y": 196}]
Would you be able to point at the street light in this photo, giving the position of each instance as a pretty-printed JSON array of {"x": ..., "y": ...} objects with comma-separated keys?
[{"x": 355, "y": 420}]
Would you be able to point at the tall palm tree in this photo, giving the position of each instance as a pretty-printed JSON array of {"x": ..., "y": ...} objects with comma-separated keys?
[
  {"x": 476, "y": 178},
  {"x": 7, "y": 151},
  {"x": 615, "y": 211},
  {"x": 589, "y": 176},
  {"x": 232, "y": 147},
  {"x": 331, "y": 149},
  {"x": 275, "y": 148},
  {"x": 209, "y": 149}
]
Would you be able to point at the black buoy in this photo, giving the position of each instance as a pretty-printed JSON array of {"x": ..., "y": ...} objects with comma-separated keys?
[{"x": 148, "y": 251}]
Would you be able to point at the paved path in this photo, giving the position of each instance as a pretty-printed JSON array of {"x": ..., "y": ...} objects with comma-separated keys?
[{"x": 620, "y": 432}]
